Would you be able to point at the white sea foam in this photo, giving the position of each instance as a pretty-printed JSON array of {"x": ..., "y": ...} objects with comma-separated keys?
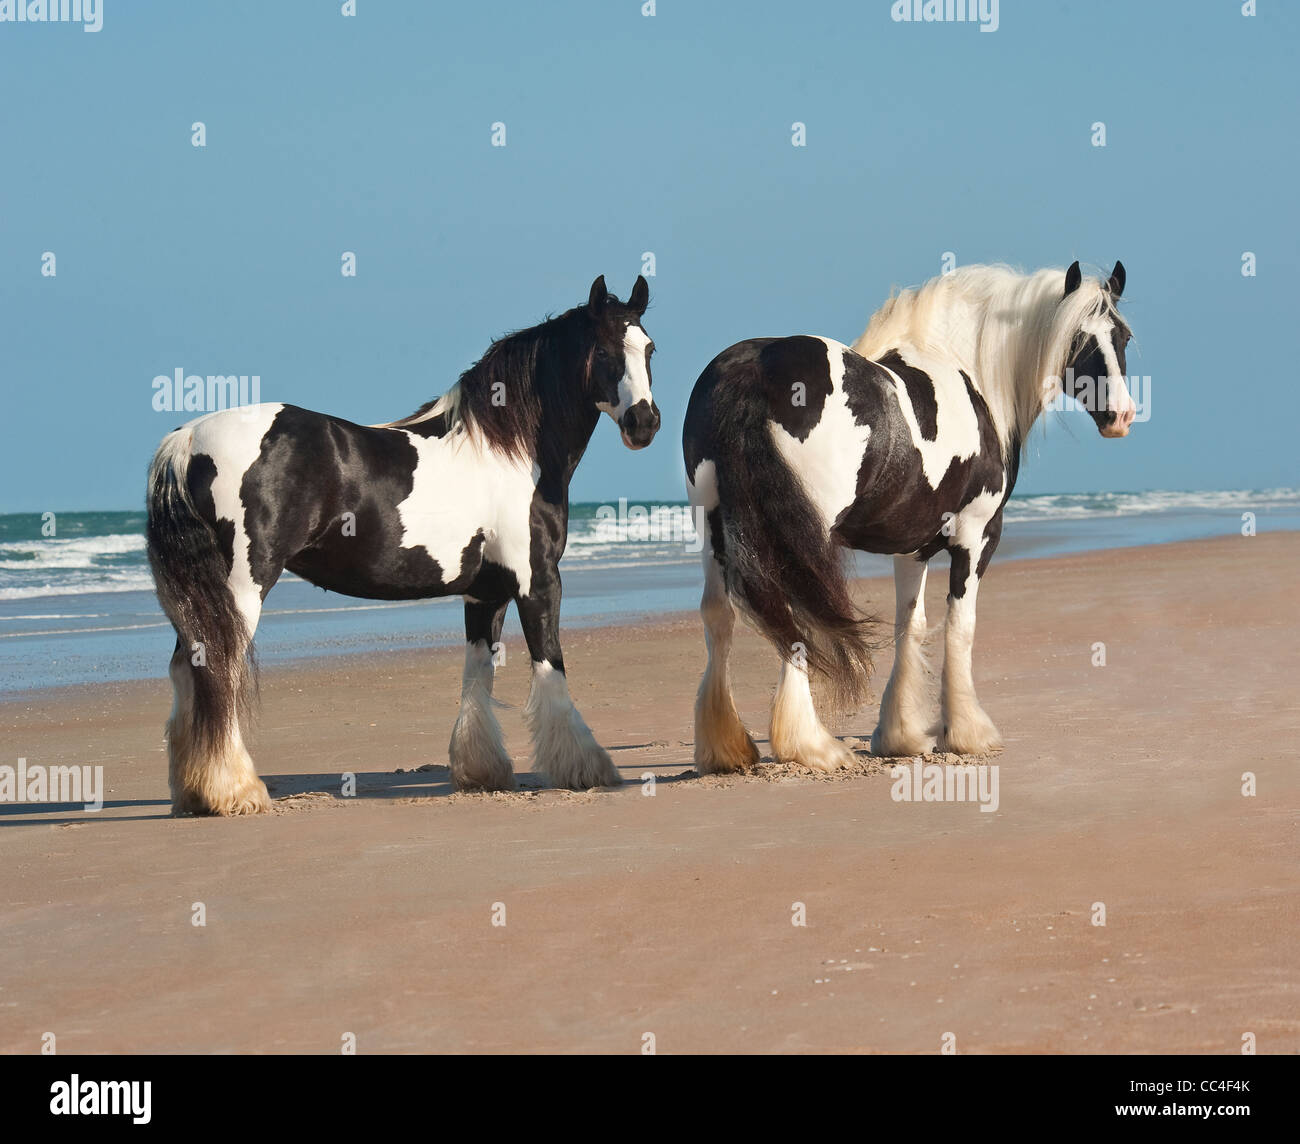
[
  {"x": 82, "y": 631},
  {"x": 104, "y": 581},
  {"x": 53, "y": 616},
  {"x": 78, "y": 552},
  {"x": 1080, "y": 506},
  {"x": 31, "y": 568}
]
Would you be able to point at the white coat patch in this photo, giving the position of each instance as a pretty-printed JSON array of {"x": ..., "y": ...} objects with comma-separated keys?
[
  {"x": 233, "y": 439},
  {"x": 827, "y": 460},
  {"x": 958, "y": 435},
  {"x": 458, "y": 488}
]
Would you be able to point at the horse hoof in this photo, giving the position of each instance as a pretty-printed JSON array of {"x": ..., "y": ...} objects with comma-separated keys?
[
  {"x": 975, "y": 736},
  {"x": 490, "y": 774},
  {"x": 737, "y": 756},
  {"x": 586, "y": 772},
  {"x": 463, "y": 784},
  {"x": 248, "y": 798},
  {"x": 901, "y": 746},
  {"x": 825, "y": 757}
]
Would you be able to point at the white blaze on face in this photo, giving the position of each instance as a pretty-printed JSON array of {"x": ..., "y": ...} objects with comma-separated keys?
[
  {"x": 634, "y": 385},
  {"x": 1118, "y": 399}
]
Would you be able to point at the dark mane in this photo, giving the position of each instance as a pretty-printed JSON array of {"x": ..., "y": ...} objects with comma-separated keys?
[{"x": 506, "y": 394}]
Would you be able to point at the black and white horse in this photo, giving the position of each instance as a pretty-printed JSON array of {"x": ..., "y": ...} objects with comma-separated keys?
[
  {"x": 799, "y": 447},
  {"x": 468, "y": 496}
]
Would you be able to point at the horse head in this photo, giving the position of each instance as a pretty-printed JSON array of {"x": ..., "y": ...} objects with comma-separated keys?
[{"x": 618, "y": 370}]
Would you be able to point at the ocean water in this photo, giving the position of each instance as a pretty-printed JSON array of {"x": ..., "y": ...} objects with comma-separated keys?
[{"x": 78, "y": 605}]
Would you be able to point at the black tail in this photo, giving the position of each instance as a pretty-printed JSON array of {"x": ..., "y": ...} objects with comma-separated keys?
[
  {"x": 191, "y": 575},
  {"x": 783, "y": 568}
]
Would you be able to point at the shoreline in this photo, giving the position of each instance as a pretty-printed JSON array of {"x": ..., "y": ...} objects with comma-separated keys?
[{"x": 1011, "y": 552}]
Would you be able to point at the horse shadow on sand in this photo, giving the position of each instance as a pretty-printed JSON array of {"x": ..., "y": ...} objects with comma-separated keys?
[{"x": 433, "y": 780}]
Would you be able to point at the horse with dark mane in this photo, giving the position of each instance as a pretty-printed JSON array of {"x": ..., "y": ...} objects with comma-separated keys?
[
  {"x": 468, "y": 496},
  {"x": 909, "y": 443}
]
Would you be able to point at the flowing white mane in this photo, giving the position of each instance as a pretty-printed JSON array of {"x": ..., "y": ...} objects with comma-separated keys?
[{"x": 1010, "y": 332}]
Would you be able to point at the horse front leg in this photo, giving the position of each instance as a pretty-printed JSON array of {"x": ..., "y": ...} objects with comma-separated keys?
[
  {"x": 965, "y": 728},
  {"x": 566, "y": 752},
  {"x": 477, "y": 750}
]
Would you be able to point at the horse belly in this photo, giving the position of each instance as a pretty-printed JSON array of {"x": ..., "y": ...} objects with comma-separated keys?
[
  {"x": 390, "y": 572},
  {"x": 392, "y": 529}
]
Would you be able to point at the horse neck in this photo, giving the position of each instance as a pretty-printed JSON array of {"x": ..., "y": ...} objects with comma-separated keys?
[
  {"x": 567, "y": 420},
  {"x": 1005, "y": 353}
]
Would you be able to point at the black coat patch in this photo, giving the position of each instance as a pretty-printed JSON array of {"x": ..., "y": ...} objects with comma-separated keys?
[
  {"x": 896, "y": 509},
  {"x": 314, "y": 468},
  {"x": 720, "y": 402},
  {"x": 199, "y": 477},
  {"x": 920, "y": 391},
  {"x": 796, "y": 378}
]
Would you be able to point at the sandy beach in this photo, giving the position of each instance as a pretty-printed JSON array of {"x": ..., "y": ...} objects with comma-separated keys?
[{"x": 670, "y": 914}]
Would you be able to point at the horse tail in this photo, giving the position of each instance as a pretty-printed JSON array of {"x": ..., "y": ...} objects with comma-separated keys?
[
  {"x": 191, "y": 575},
  {"x": 783, "y": 567}
]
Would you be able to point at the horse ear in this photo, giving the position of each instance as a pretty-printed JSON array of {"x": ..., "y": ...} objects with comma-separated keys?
[
  {"x": 1117, "y": 277},
  {"x": 1073, "y": 277},
  {"x": 640, "y": 297},
  {"x": 596, "y": 299}
]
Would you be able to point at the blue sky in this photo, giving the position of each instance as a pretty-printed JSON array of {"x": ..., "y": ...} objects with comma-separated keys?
[{"x": 627, "y": 134}]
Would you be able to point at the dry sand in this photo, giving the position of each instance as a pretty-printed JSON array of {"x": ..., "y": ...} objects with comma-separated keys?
[{"x": 671, "y": 915}]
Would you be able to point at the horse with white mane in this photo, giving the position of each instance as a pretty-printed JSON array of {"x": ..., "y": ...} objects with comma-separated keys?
[
  {"x": 909, "y": 443},
  {"x": 468, "y": 496}
]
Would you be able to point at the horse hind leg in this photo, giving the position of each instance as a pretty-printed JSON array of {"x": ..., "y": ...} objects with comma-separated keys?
[
  {"x": 721, "y": 742},
  {"x": 477, "y": 752},
  {"x": 206, "y": 587},
  {"x": 797, "y": 733},
  {"x": 209, "y": 768},
  {"x": 906, "y": 709}
]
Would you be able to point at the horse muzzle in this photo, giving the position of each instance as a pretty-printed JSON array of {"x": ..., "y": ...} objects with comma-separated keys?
[
  {"x": 1120, "y": 422},
  {"x": 639, "y": 424}
]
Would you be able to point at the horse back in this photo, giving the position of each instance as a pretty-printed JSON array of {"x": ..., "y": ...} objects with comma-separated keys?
[{"x": 883, "y": 449}]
